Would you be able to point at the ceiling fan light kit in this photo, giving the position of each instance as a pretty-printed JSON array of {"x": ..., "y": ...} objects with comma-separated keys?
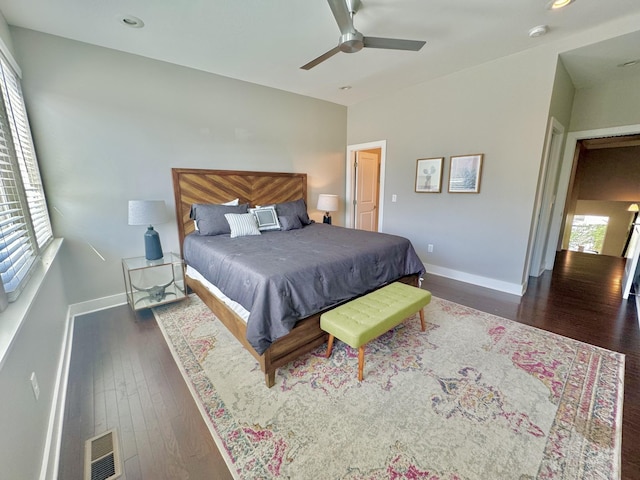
[{"x": 352, "y": 41}]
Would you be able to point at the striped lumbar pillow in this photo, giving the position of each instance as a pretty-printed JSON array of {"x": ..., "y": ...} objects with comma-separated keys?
[{"x": 242, "y": 224}]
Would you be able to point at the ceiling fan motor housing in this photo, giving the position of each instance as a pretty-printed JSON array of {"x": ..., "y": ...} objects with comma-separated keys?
[{"x": 351, "y": 42}]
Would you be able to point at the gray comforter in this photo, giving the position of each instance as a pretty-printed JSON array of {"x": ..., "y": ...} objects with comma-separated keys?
[{"x": 281, "y": 277}]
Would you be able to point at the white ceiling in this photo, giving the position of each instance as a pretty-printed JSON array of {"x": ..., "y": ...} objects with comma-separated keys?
[{"x": 266, "y": 41}]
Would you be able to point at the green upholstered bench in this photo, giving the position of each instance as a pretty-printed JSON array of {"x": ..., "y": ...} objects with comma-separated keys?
[{"x": 359, "y": 321}]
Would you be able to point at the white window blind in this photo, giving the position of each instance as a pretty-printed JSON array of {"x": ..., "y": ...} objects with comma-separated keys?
[{"x": 25, "y": 227}]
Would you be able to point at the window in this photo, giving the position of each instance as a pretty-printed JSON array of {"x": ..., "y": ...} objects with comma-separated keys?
[
  {"x": 587, "y": 233},
  {"x": 25, "y": 227}
]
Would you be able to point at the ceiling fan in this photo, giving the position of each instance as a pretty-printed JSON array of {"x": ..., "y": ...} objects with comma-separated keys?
[{"x": 351, "y": 40}]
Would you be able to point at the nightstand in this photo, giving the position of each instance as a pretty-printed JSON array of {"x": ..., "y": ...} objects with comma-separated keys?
[{"x": 149, "y": 283}]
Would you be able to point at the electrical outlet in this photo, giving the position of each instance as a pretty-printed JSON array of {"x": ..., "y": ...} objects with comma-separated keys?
[
  {"x": 34, "y": 385},
  {"x": 430, "y": 248},
  {"x": 394, "y": 198}
]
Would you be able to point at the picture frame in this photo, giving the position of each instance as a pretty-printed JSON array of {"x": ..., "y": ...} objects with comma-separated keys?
[
  {"x": 465, "y": 172},
  {"x": 429, "y": 175}
]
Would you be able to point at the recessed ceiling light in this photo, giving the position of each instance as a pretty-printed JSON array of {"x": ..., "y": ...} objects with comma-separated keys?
[
  {"x": 131, "y": 21},
  {"x": 346, "y": 87},
  {"x": 538, "y": 31},
  {"x": 630, "y": 63},
  {"x": 556, "y": 4}
]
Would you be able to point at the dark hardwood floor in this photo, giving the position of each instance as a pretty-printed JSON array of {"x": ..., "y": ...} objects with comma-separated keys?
[{"x": 122, "y": 374}]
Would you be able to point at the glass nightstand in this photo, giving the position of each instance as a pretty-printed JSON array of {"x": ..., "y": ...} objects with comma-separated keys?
[{"x": 149, "y": 283}]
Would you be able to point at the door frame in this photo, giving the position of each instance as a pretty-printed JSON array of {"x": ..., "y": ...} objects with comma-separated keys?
[
  {"x": 349, "y": 220},
  {"x": 547, "y": 189},
  {"x": 565, "y": 177}
]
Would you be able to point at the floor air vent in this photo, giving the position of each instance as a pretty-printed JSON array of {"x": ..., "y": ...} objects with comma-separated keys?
[{"x": 102, "y": 458}]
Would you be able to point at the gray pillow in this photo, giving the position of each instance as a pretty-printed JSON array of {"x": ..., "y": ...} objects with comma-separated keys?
[
  {"x": 210, "y": 218},
  {"x": 295, "y": 208},
  {"x": 290, "y": 222}
]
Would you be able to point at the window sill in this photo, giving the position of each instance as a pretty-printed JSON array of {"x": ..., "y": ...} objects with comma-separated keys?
[{"x": 12, "y": 318}]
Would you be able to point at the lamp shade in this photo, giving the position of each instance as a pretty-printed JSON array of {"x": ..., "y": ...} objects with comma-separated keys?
[
  {"x": 147, "y": 212},
  {"x": 328, "y": 203},
  {"x": 633, "y": 208}
]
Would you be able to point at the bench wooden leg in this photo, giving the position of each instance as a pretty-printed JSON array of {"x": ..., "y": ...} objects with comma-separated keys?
[
  {"x": 360, "y": 363},
  {"x": 422, "y": 320},
  {"x": 329, "y": 347}
]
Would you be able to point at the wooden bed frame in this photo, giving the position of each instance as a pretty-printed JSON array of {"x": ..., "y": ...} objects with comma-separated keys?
[{"x": 255, "y": 188}]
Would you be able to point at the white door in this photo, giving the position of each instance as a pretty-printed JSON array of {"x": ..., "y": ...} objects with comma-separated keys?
[{"x": 367, "y": 178}]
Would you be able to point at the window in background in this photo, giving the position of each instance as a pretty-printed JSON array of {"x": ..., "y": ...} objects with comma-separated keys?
[
  {"x": 25, "y": 227},
  {"x": 587, "y": 233}
]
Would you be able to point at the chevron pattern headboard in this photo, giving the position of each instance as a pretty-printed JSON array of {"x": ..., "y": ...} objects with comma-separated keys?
[{"x": 219, "y": 186}]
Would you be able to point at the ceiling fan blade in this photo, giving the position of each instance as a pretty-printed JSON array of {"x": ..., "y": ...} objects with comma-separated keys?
[
  {"x": 321, "y": 58},
  {"x": 342, "y": 15},
  {"x": 393, "y": 43}
]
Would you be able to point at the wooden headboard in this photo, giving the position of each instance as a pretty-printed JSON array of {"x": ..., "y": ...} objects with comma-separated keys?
[{"x": 219, "y": 186}]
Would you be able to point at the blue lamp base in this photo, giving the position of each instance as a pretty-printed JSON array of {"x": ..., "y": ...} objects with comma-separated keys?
[{"x": 152, "y": 247}]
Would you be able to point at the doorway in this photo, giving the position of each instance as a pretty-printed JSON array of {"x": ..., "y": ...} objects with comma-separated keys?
[
  {"x": 365, "y": 185},
  {"x": 562, "y": 213},
  {"x": 577, "y": 143}
]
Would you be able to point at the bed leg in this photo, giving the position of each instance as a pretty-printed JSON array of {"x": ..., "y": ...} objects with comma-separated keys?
[{"x": 270, "y": 379}]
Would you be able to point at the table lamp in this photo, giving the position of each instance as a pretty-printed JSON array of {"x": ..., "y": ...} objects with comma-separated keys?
[
  {"x": 327, "y": 203},
  {"x": 148, "y": 212}
]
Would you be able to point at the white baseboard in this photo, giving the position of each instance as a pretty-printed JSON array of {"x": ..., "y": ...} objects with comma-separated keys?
[
  {"x": 97, "y": 304},
  {"x": 51, "y": 457},
  {"x": 492, "y": 283}
]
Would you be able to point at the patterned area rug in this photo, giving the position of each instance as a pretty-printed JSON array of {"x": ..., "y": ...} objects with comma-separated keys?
[{"x": 474, "y": 397}]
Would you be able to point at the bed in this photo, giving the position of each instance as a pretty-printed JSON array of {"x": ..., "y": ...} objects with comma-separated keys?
[{"x": 282, "y": 324}]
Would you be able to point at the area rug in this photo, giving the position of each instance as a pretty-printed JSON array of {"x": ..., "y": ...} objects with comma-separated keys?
[{"x": 474, "y": 397}]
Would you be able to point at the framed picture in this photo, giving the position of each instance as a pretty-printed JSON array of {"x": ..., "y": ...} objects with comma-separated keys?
[
  {"x": 429, "y": 175},
  {"x": 464, "y": 173}
]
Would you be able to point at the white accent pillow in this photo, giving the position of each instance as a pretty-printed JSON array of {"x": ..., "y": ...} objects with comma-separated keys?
[
  {"x": 266, "y": 217},
  {"x": 242, "y": 224}
]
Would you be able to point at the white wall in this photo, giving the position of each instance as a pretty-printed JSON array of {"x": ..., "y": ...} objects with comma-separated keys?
[
  {"x": 607, "y": 105},
  {"x": 500, "y": 109},
  {"x": 562, "y": 96},
  {"x": 109, "y": 126},
  {"x": 5, "y": 36},
  {"x": 37, "y": 347}
]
